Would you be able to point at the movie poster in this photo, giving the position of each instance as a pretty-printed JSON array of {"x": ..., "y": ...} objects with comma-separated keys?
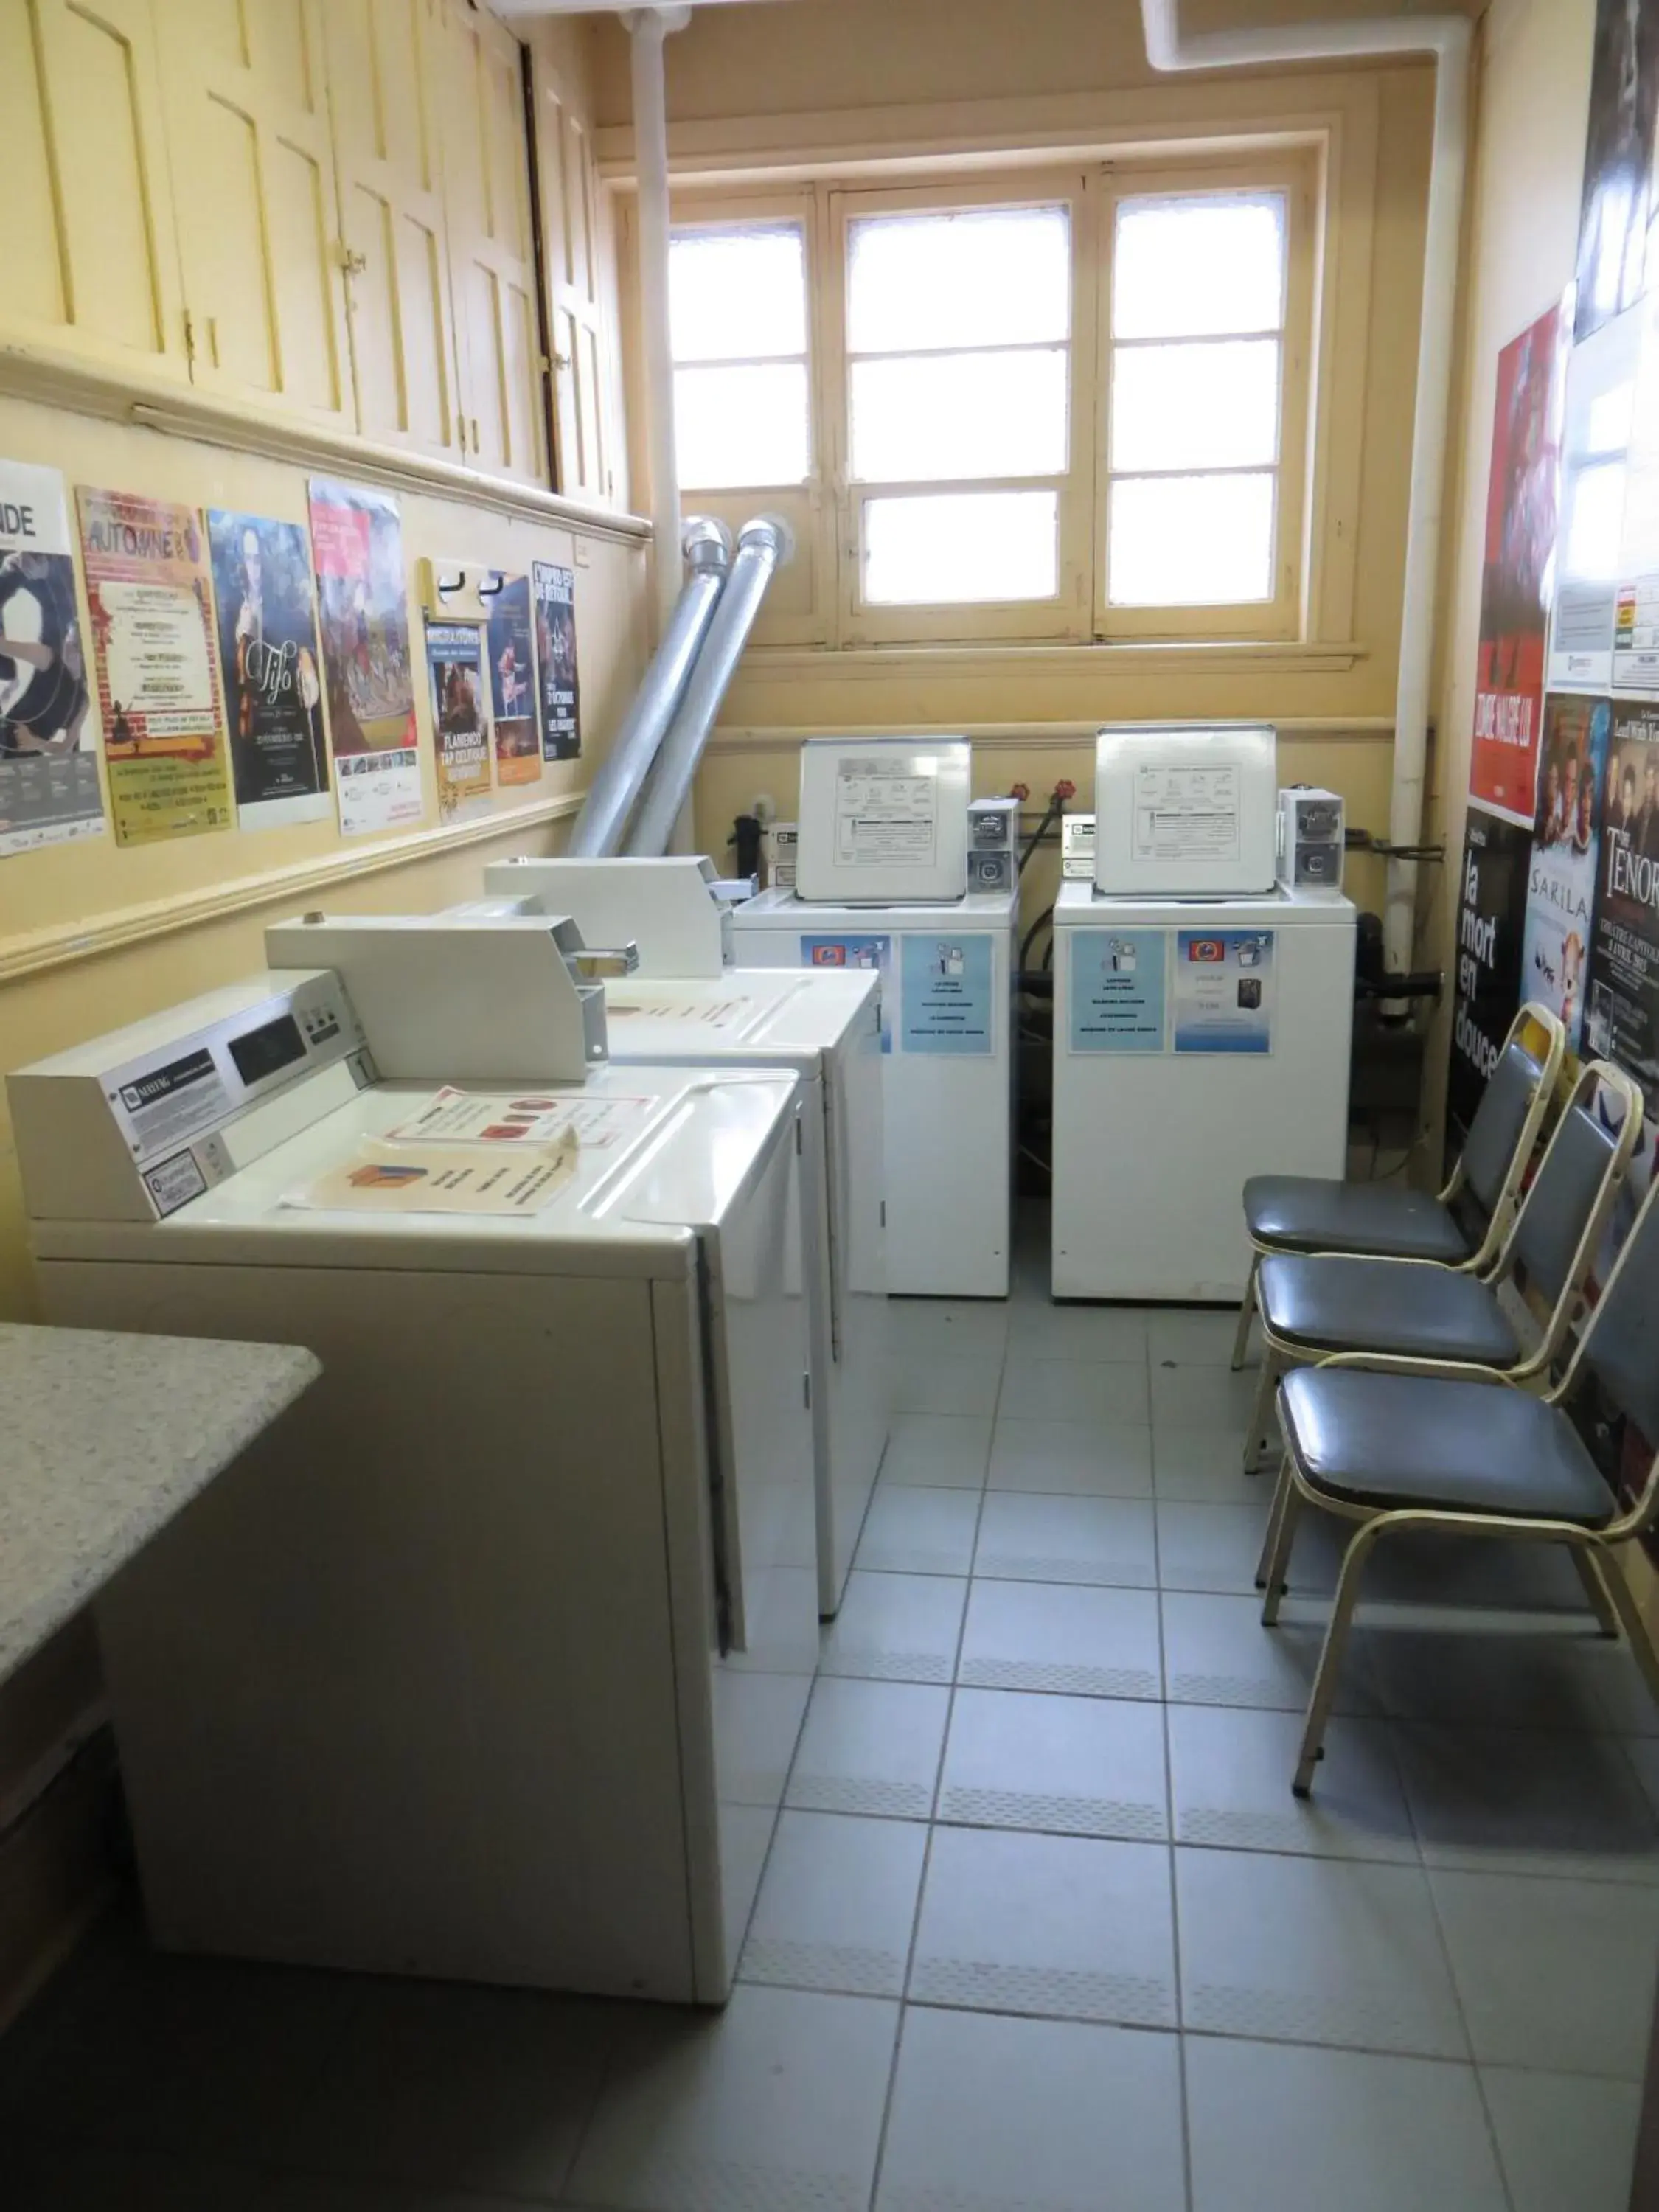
[
  {"x": 459, "y": 725},
  {"x": 513, "y": 683},
  {"x": 268, "y": 664},
  {"x": 1617, "y": 204},
  {"x": 158, "y": 681},
  {"x": 48, "y": 758},
  {"x": 1561, "y": 879},
  {"x": 1515, "y": 584},
  {"x": 557, "y": 708},
  {"x": 1622, "y": 1021},
  {"x": 1491, "y": 916},
  {"x": 357, "y": 543}
]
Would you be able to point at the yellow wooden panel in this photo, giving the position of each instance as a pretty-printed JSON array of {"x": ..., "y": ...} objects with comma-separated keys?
[
  {"x": 369, "y": 224},
  {"x": 400, "y": 38},
  {"x": 282, "y": 52},
  {"x": 219, "y": 31},
  {"x": 507, "y": 173},
  {"x": 428, "y": 359},
  {"x": 521, "y": 378},
  {"x": 32, "y": 291},
  {"x": 576, "y": 172},
  {"x": 300, "y": 226},
  {"x": 225, "y": 249}
]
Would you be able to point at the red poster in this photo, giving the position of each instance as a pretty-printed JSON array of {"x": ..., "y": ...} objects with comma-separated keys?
[{"x": 1514, "y": 583}]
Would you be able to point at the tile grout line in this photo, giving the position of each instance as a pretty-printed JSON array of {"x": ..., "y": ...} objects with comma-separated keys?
[{"x": 1170, "y": 1811}]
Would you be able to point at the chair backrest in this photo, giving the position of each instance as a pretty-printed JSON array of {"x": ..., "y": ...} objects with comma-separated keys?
[
  {"x": 1555, "y": 1232},
  {"x": 1621, "y": 1344},
  {"x": 1499, "y": 1124}
]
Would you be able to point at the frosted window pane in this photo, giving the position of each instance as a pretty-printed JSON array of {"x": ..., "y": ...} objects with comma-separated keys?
[
  {"x": 957, "y": 548},
  {"x": 1190, "y": 541},
  {"x": 1595, "y": 522},
  {"x": 984, "y": 277},
  {"x": 959, "y": 415},
  {"x": 1187, "y": 266},
  {"x": 736, "y": 294},
  {"x": 741, "y": 426},
  {"x": 1195, "y": 406}
]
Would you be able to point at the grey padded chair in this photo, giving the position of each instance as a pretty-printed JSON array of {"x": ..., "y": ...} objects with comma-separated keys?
[
  {"x": 1314, "y": 1304},
  {"x": 1396, "y": 1447},
  {"x": 1462, "y": 1226}
]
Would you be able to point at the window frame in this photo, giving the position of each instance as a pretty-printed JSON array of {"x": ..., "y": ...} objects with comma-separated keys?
[{"x": 1282, "y": 617}]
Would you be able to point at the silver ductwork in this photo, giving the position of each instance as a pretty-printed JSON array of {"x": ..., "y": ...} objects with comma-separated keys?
[
  {"x": 603, "y": 822},
  {"x": 765, "y": 544}
]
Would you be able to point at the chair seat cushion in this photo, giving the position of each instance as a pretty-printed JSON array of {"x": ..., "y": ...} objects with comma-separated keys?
[
  {"x": 1404, "y": 1440},
  {"x": 1313, "y": 1213},
  {"x": 1333, "y": 1304}
]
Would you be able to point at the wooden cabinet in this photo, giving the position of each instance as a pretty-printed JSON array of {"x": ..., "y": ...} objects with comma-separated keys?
[
  {"x": 255, "y": 201},
  {"x": 91, "y": 265}
]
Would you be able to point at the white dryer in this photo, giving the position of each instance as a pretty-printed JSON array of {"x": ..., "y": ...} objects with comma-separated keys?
[{"x": 489, "y": 1660}]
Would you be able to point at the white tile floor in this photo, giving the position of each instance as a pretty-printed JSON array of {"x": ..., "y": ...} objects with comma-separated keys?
[{"x": 1042, "y": 1924}]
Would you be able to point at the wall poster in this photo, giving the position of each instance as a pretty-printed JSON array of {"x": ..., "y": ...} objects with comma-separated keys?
[
  {"x": 513, "y": 683},
  {"x": 946, "y": 1003},
  {"x": 1598, "y": 406},
  {"x": 557, "y": 699},
  {"x": 461, "y": 727},
  {"x": 1491, "y": 922},
  {"x": 357, "y": 543},
  {"x": 1622, "y": 1020},
  {"x": 158, "y": 680},
  {"x": 1561, "y": 878},
  {"x": 1516, "y": 575},
  {"x": 1117, "y": 989},
  {"x": 48, "y": 758},
  {"x": 1223, "y": 994},
  {"x": 1617, "y": 206},
  {"x": 268, "y": 662}
]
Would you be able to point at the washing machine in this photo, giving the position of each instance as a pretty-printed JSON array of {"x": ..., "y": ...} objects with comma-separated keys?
[{"x": 488, "y": 1659}]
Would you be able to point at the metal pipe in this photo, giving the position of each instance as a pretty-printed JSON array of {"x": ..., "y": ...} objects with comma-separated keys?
[
  {"x": 1446, "y": 38},
  {"x": 621, "y": 775},
  {"x": 647, "y": 27},
  {"x": 763, "y": 545}
]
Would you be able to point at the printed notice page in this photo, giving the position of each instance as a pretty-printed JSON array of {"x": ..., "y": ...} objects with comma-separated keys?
[
  {"x": 883, "y": 815},
  {"x": 48, "y": 758},
  {"x": 381, "y": 1177},
  {"x": 598, "y": 1120},
  {"x": 1185, "y": 814}
]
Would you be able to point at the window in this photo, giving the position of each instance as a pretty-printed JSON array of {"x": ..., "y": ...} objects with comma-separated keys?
[{"x": 1069, "y": 405}]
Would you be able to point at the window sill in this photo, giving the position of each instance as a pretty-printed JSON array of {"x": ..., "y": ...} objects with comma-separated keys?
[{"x": 1222, "y": 656}]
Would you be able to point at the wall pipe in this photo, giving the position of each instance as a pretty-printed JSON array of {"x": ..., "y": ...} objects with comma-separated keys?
[
  {"x": 621, "y": 775},
  {"x": 1446, "y": 38},
  {"x": 647, "y": 27},
  {"x": 763, "y": 545}
]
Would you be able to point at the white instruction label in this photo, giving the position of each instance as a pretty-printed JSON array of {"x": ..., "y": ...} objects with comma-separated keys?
[
  {"x": 163, "y": 1108},
  {"x": 883, "y": 815},
  {"x": 525, "y": 1117},
  {"x": 174, "y": 1183},
  {"x": 1187, "y": 814}
]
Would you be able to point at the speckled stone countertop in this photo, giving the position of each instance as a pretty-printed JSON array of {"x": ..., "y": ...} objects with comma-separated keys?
[{"x": 102, "y": 1439}]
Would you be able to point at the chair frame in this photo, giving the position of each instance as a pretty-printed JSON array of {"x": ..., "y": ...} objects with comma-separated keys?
[
  {"x": 1509, "y": 1195},
  {"x": 1280, "y": 1354},
  {"x": 1610, "y": 1595}
]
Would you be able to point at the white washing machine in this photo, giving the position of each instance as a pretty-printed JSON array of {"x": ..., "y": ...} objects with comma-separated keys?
[
  {"x": 489, "y": 1659},
  {"x": 826, "y": 1028},
  {"x": 947, "y": 1062},
  {"x": 1197, "y": 1042}
]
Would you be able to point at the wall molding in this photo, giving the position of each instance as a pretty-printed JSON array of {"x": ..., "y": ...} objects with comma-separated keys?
[
  {"x": 126, "y": 927},
  {"x": 64, "y": 381},
  {"x": 1033, "y": 737},
  {"x": 1184, "y": 656}
]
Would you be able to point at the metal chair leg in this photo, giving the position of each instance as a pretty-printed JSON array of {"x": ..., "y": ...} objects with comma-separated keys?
[
  {"x": 1261, "y": 1413},
  {"x": 1280, "y": 1559},
  {"x": 1270, "y": 1534},
  {"x": 1623, "y": 1599},
  {"x": 1330, "y": 1657},
  {"x": 1595, "y": 1587},
  {"x": 1246, "y": 1316}
]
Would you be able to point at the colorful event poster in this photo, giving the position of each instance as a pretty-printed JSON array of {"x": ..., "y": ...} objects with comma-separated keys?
[
  {"x": 1224, "y": 990},
  {"x": 1491, "y": 923},
  {"x": 460, "y": 728},
  {"x": 1622, "y": 1019},
  {"x": 872, "y": 952},
  {"x": 946, "y": 1000},
  {"x": 1617, "y": 205},
  {"x": 513, "y": 683},
  {"x": 48, "y": 758},
  {"x": 1118, "y": 989},
  {"x": 557, "y": 703},
  {"x": 268, "y": 664},
  {"x": 1520, "y": 544},
  {"x": 158, "y": 682},
  {"x": 357, "y": 544},
  {"x": 1561, "y": 879}
]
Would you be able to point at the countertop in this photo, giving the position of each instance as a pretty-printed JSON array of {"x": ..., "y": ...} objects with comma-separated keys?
[{"x": 103, "y": 1438}]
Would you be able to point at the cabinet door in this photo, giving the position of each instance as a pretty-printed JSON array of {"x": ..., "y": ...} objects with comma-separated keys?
[
  {"x": 491, "y": 254},
  {"x": 383, "y": 94},
  {"x": 247, "y": 115},
  {"x": 570, "y": 241},
  {"x": 90, "y": 259}
]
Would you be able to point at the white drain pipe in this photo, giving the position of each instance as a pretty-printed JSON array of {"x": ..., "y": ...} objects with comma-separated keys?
[
  {"x": 1447, "y": 38},
  {"x": 647, "y": 27}
]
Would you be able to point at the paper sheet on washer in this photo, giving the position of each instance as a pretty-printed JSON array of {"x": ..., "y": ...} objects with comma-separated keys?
[
  {"x": 598, "y": 1120},
  {"x": 381, "y": 1177}
]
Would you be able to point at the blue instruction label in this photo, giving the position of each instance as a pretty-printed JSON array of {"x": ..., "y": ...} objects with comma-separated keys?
[
  {"x": 946, "y": 998},
  {"x": 1118, "y": 989}
]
